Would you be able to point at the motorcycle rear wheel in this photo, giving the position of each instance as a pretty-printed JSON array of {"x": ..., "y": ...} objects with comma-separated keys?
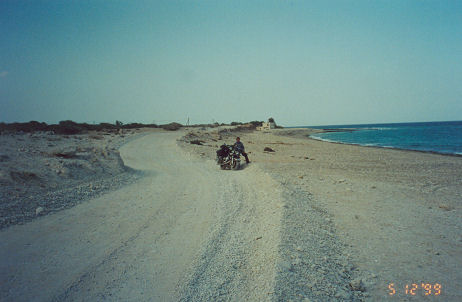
[{"x": 236, "y": 165}]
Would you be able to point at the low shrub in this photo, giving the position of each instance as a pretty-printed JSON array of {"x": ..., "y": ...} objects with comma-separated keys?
[{"x": 172, "y": 126}]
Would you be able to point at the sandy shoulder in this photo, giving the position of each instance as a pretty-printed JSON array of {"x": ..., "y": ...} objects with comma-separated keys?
[{"x": 400, "y": 211}]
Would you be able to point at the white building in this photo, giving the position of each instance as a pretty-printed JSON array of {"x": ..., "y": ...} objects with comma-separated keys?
[{"x": 266, "y": 126}]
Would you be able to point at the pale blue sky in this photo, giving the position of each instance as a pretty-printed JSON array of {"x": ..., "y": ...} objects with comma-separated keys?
[{"x": 301, "y": 62}]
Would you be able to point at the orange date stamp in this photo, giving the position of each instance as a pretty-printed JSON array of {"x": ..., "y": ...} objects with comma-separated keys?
[{"x": 413, "y": 289}]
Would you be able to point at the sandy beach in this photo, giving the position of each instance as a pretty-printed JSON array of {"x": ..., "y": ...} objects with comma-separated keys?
[
  {"x": 397, "y": 212},
  {"x": 311, "y": 221}
]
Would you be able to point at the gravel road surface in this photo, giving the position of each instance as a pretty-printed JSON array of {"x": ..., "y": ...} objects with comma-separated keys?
[{"x": 185, "y": 231}]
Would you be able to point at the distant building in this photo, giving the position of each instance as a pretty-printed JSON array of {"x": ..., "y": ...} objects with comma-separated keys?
[{"x": 267, "y": 126}]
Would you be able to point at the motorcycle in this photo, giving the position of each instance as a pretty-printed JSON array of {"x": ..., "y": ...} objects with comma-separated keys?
[
  {"x": 228, "y": 158},
  {"x": 223, "y": 153}
]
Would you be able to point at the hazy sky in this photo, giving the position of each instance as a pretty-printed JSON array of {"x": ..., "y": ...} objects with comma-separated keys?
[{"x": 301, "y": 62}]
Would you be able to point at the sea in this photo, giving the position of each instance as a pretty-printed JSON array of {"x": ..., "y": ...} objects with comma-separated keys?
[{"x": 439, "y": 137}]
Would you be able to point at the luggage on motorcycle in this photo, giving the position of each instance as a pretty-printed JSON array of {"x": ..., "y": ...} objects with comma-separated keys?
[{"x": 223, "y": 151}]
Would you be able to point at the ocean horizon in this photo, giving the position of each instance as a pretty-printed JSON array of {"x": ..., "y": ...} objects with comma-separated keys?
[{"x": 443, "y": 137}]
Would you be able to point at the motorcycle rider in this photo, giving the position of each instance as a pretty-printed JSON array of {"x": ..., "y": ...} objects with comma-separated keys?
[{"x": 240, "y": 147}]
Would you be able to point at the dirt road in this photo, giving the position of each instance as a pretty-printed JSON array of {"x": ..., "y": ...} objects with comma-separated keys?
[{"x": 184, "y": 231}]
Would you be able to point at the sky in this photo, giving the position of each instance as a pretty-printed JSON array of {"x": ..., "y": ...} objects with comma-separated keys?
[{"x": 300, "y": 62}]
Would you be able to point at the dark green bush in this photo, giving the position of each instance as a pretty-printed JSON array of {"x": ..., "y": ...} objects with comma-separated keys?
[{"x": 172, "y": 126}]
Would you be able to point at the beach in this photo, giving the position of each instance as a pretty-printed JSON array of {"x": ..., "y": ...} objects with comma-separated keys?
[
  {"x": 397, "y": 212},
  {"x": 308, "y": 221}
]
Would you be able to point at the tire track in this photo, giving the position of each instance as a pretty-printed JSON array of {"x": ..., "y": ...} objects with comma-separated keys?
[{"x": 237, "y": 263}]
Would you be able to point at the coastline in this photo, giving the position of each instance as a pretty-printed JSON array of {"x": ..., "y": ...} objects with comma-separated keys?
[
  {"x": 379, "y": 147},
  {"x": 308, "y": 219}
]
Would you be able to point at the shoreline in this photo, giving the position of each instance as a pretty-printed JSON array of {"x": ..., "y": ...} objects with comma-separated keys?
[
  {"x": 380, "y": 147},
  {"x": 362, "y": 145},
  {"x": 373, "y": 127}
]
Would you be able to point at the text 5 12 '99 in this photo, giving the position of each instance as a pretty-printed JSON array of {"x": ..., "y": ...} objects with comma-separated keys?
[{"x": 426, "y": 289}]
